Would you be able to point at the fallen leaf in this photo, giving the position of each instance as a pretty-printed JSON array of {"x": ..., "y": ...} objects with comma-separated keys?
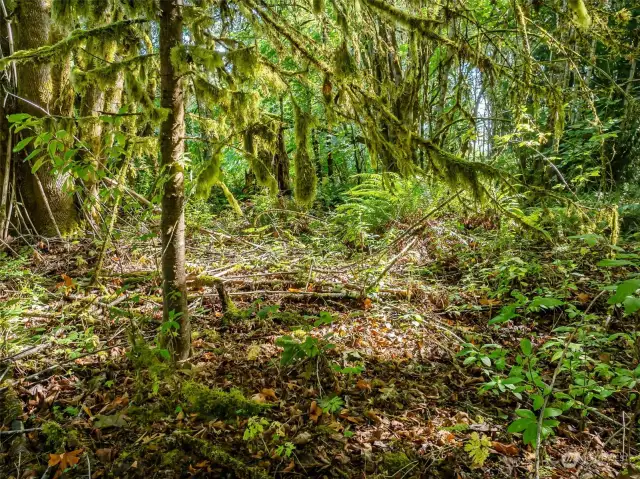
[
  {"x": 315, "y": 411},
  {"x": 64, "y": 461},
  {"x": 290, "y": 467},
  {"x": 114, "y": 420},
  {"x": 106, "y": 455},
  {"x": 366, "y": 304},
  {"x": 505, "y": 449},
  {"x": 363, "y": 385},
  {"x": 583, "y": 297},
  {"x": 373, "y": 416},
  {"x": 570, "y": 460},
  {"x": 269, "y": 394},
  {"x": 302, "y": 438},
  {"x": 489, "y": 302}
]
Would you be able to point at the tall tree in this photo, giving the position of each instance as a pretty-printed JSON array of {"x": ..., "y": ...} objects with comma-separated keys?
[
  {"x": 50, "y": 205},
  {"x": 173, "y": 199}
]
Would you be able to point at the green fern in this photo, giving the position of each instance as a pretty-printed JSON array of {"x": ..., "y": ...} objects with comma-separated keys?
[{"x": 478, "y": 449}]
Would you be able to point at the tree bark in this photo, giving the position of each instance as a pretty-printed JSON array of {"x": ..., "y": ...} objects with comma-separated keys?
[
  {"x": 281, "y": 165},
  {"x": 173, "y": 199},
  {"x": 36, "y": 85}
]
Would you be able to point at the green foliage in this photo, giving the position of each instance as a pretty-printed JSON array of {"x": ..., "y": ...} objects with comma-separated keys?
[
  {"x": 217, "y": 403},
  {"x": 305, "y": 171},
  {"x": 332, "y": 404},
  {"x": 478, "y": 449},
  {"x": 295, "y": 349}
]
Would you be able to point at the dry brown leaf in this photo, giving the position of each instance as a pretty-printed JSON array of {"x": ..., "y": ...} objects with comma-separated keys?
[
  {"x": 290, "y": 467},
  {"x": 64, "y": 461},
  {"x": 269, "y": 394},
  {"x": 489, "y": 302},
  {"x": 363, "y": 385},
  {"x": 106, "y": 455},
  {"x": 583, "y": 297},
  {"x": 373, "y": 416},
  {"x": 505, "y": 449},
  {"x": 315, "y": 411}
]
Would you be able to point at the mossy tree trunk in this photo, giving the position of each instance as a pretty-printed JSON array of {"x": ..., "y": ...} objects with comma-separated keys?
[
  {"x": 37, "y": 82},
  {"x": 281, "y": 165},
  {"x": 173, "y": 199}
]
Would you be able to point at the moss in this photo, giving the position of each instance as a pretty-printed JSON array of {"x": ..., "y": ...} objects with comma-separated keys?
[
  {"x": 245, "y": 62},
  {"x": 306, "y": 179},
  {"x": 56, "y": 436},
  {"x": 218, "y": 403},
  {"x": 210, "y": 176},
  {"x": 318, "y": 6},
  {"x": 395, "y": 462},
  {"x": 49, "y": 53},
  {"x": 259, "y": 161},
  {"x": 10, "y": 406},
  {"x": 220, "y": 457},
  {"x": 579, "y": 9},
  {"x": 146, "y": 414},
  {"x": 172, "y": 457}
]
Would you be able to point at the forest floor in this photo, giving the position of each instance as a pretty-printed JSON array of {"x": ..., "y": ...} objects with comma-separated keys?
[{"x": 374, "y": 387}]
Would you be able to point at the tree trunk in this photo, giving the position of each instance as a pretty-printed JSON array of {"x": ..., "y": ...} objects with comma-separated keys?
[
  {"x": 328, "y": 144},
  {"x": 173, "y": 200},
  {"x": 36, "y": 85},
  {"x": 281, "y": 165}
]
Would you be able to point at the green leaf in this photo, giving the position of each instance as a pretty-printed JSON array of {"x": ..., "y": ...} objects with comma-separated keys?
[
  {"x": 631, "y": 304},
  {"x": 611, "y": 263},
  {"x": 538, "y": 401},
  {"x": 22, "y": 144},
  {"x": 551, "y": 412},
  {"x": 486, "y": 361},
  {"x": 32, "y": 154},
  {"x": 519, "y": 425},
  {"x": 526, "y": 414},
  {"x": 542, "y": 302},
  {"x": 18, "y": 117},
  {"x": 624, "y": 289},
  {"x": 36, "y": 166},
  {"x": 507, "y": 313},
  {"x": 531, "y": 434},
  {"x": 526, "y": 346}
]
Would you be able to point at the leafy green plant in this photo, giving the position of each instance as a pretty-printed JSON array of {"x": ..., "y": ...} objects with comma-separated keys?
[
  {"x": 528, "y": 424},
  {"x": 332, "y": 405},
  {"x": 478, "y": 449}
]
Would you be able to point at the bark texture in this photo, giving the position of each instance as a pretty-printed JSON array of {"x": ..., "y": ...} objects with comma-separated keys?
[
  {"x": 37, "y": 84},
  {"x": 173, "y": 200}
]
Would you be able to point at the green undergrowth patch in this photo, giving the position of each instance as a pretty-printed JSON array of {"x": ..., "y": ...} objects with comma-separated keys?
[
  {"x": 220, "y": 457},
  {"x": 217, "y": 403}
]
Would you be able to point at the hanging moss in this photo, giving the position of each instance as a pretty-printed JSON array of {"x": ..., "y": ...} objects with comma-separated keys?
[
  {"x": 245, "y": 62},
  {"x": 210, "y": 176},
  {"x": 210, "y": 92},
  {"x": 183, "y": 56},
  {"x": 344, "y": 65},
  {"x": 305, "y": 179},
  {"x": 230, "y": 198},
  {"x": 106, "y": 76},
  {"x": 48, "y": 53},
  {"x": 581, "y": 15},
  {"x": 318, "y": 6},
  {"x": 259, "y": 161}
]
